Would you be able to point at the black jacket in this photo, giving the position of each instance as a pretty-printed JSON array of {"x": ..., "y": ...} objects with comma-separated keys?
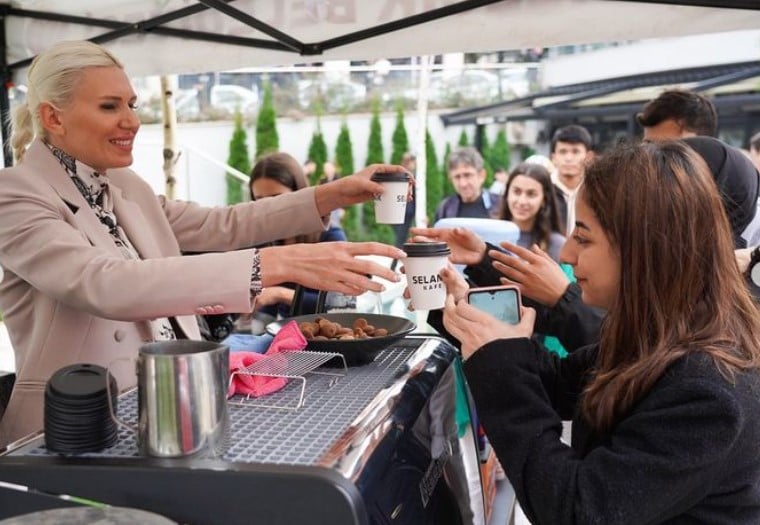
[{"x": 686, "y": 453}]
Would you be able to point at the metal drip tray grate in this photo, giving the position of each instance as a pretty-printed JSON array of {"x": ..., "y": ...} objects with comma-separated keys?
[{"x": 284, "y": 436}]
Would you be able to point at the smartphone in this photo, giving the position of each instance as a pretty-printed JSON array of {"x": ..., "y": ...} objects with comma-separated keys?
[{"x": 502, "y": 302}]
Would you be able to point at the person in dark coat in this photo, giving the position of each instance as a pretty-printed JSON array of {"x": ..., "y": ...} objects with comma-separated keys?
[
  {"x": 664, "y": 406},
  {"x": 738, "y": 183}
]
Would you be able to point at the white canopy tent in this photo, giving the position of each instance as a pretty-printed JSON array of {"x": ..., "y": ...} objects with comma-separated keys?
[{"x": 185, "y": 36}]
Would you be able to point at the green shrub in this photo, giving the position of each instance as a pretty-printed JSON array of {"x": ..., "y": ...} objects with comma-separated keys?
[
  {"x": 267, "y": 140},
  {"x": 463, "y": 139},
  {"x": 317, "y": 153},
  {"x": 238, "y": 159},
  {"x": 400, "y": 137},
  {"x": 433, "y": 179},
  {"x": 485, "y": 151},
  {"x": 344, "y": 159},
  {"x": 368, "y": 228},
  {"x": 448, "y": 187},
  {"x": 344, "y": 151},
  {"x": 500, "y": 151}
]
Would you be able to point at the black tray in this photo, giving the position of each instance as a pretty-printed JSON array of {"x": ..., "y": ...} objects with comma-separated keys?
[{"x": 355, "y": 351}]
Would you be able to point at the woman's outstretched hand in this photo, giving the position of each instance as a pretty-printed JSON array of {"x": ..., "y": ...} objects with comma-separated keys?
[
  {"x": 465, "y": 246},
  {"x": 331, "y": 266},
  {"x": 538, "y": 275},
  {"x": 355, "y": 188},
  {"x": 474, "y": 328}
]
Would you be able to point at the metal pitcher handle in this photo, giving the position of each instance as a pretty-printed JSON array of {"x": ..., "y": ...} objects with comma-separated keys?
[{"x": 111, "y": 409}]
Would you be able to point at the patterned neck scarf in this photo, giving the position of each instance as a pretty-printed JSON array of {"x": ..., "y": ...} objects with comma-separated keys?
[{"x": 94, "y": 188}]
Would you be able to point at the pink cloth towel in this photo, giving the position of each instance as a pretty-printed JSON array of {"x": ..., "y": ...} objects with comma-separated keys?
[{"x": 288, "y": 338}]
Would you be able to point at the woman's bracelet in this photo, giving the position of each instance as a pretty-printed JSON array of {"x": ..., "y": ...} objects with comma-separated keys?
[{"x": 256, "y": 284}]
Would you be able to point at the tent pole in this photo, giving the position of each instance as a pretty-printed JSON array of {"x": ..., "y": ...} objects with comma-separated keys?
[
  {"x": 420, "y": 149},
  {"x": 5, "y": 103}
]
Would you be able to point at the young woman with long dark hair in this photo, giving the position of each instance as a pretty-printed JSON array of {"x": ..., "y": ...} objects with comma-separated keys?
[
  {"x": 530, "y": 203},
  {"x": 665, "y": 405}
]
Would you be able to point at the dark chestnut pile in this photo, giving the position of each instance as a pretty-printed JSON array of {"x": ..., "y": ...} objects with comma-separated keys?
[{"x": 322, "y": 329}]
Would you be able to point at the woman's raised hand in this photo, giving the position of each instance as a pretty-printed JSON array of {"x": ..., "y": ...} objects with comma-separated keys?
[
  {"x": 465, "y": 246},
  {"x": 355, "y": 188},
  {"x": 538, "y": 275},
  {"x": 474, "y": 328},
  {"x": 331, "y": 266}
]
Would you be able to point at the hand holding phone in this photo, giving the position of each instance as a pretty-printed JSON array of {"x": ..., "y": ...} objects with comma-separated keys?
[{"x": 502, "y": 302}]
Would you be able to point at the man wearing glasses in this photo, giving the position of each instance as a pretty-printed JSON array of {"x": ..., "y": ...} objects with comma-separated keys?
[{"x": 467, "y": 174}]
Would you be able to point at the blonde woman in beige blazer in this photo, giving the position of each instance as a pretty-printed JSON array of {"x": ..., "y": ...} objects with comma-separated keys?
[{"x": 78, "y": 288}]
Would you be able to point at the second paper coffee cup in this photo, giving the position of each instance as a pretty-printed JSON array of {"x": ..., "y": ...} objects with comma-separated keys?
[
  {"x": 423, "y": 265},
  {"x": 390, "y": 206}
]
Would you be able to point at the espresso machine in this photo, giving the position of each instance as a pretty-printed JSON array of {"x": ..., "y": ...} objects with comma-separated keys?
[{"x": 375, "y": 444}]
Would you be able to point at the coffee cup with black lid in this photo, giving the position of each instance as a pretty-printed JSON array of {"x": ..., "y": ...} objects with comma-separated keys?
[
  {"x": 390, "y": 206},
  {"x": 423, "y": 264}
]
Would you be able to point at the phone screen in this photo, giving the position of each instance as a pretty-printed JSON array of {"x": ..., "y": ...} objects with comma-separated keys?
[{"x": 503, "y": 304}]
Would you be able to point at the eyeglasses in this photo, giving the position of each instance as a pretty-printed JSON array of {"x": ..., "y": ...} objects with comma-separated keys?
[{"x": 466, "y": 175}]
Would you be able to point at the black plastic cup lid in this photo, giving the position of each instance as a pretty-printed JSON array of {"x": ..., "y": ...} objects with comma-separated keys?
[
  {"x": 75, "y": 418},
  {"x": 426, "y": 249},
  {"x": 62, "y": 399},
  {"x": 390, "y": 177},
  {"x": 79, "y": 381},
  {"x": 96, "y": 444}
]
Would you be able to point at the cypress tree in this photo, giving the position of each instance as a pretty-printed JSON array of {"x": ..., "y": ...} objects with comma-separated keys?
[
  {"x": 344, "y": 158},
  {"x": 267, "y": 140},
  {"x": 344, "y": 154},
  {"x": 400, "y": 138},
  {"x": 238, "y": 159},
  {"x": 527, "y": 152},
  {"x": 500, "y": 152},
  {"x": 317, "y": 153},
  {"x": 372, "y": 230},
  {"x": 463, "y": 139},
  {"x": 433, "y": 181},
  {"x": 485, "y": 151},
  {"x": 375, "y": 142},
  {"x": 448, "y": 187}
]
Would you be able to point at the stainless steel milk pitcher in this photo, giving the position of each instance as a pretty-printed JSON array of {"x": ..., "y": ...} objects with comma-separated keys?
[{"x": 182, "y": 398}]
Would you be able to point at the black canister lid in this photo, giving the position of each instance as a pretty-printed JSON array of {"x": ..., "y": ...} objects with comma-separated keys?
[
  {"x": 426, "y": 249},
  {"x": 396, "y": 176}
]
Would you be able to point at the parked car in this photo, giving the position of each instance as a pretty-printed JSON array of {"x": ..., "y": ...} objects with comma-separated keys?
[
  {"x": 231, "y": 98},
  {"x": 334, "y": 95},
  {"x": 469, "y": 86},
  {"x": 186, "y": 104}
]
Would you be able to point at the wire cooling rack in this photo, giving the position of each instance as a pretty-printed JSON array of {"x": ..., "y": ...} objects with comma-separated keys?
[{"x": 292, "y": 365}]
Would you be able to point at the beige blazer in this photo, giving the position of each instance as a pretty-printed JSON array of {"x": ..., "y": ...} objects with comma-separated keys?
[{"x": 68, "y": 295}]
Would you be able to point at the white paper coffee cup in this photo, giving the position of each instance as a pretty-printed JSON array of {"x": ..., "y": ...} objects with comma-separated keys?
[
  {"x": 423, "y": 265},
  {"x": 390, "y": 206}
]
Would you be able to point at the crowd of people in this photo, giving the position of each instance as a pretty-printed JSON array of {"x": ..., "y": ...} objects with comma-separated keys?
[{"x": 661, "y": 376}]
